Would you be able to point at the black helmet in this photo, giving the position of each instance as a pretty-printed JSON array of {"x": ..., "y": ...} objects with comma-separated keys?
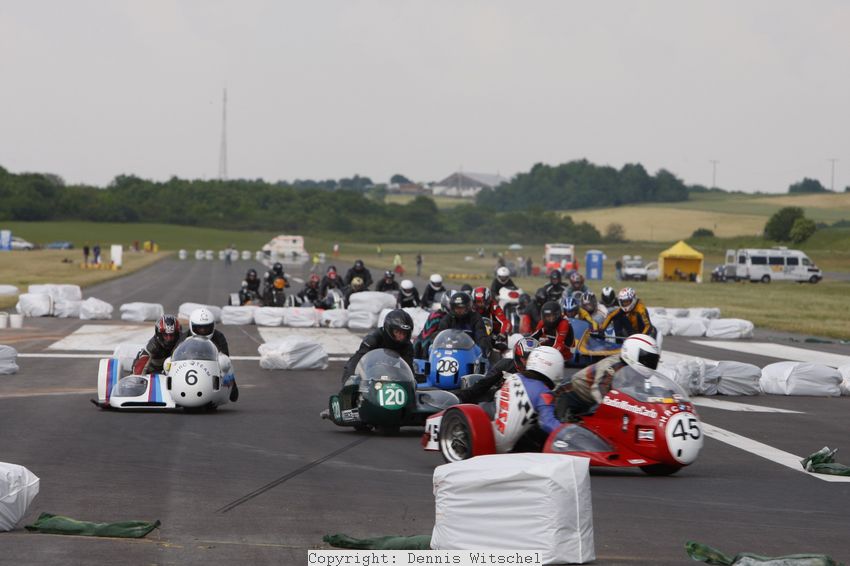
[
  {"x": 461, "y": 304},
  {"x": 251, "y": 275},
  {"x": 540, "y": 296},
  {"x": 389, "y": 275},
  {"x": 551, "y": 313},
  {"x": 555, "y": 277},
  {"x": 277, "y": 267},
  {"x": 466, "y": 288},
  {"x": 358, "y": 264},
  {"x": 398, "y": 326},
  {"x": 524, "y": 300}
]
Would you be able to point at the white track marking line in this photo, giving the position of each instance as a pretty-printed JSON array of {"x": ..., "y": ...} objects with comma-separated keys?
[
  {"x": 763, "y": 450},
  {"x": 102, "y": 337},
  {"x": 780, "y": 351},
  {"x": 712, "y": 403}
]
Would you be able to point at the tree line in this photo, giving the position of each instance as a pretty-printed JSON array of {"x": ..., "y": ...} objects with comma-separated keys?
[{"x": 259, "y": 205}]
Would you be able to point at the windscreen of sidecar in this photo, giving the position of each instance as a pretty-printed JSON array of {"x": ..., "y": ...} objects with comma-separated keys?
[
  {"x": 453, "y": 339},
  {"x": 647, "y": 389},
  {"x": 383, "y": 365},
  {"x": 195, "y": 348}
]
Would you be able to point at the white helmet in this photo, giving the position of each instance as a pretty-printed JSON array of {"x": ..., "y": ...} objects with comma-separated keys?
[
  {"x": 503, "y": 274},
  {"x": 201, "y": 322},
  {"x": 641, "y": 352},
  {"x": 627, "y": 299},
  {"x": 436, "y": 280},
  {"x": 407, "y": 285},
  {"x": 548, "y": 361}
]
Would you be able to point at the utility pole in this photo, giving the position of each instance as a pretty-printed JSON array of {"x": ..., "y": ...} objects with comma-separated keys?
[
  {"x": 714, "y": 163},
  {"x": 832, "y": 180},
  {"x": 222, "y": 152}
]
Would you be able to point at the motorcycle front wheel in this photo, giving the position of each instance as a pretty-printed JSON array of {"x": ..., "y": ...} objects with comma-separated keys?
[{"x": 455, "y": 437}]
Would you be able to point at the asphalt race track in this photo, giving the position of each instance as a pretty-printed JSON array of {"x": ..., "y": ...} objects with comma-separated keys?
[{"x": 261, "y": 481}]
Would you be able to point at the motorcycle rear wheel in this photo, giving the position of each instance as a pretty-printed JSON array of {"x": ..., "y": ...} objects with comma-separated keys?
[{"x": 660, "y": 469}]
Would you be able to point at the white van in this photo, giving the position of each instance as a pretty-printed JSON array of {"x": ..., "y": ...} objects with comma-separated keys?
[{"x": 775, "y": 264}]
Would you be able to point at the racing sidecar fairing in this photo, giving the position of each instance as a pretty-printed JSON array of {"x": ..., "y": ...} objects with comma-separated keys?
[
  {"x": 589, "y": 349},
  {"x": 196, "y": 376},
  {"x": 453, "y": 355}
]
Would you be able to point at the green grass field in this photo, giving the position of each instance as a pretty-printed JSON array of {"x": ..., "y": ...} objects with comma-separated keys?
[{"x": 441, "y": 201}]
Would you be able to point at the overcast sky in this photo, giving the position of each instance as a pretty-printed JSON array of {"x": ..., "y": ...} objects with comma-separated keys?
[{"x": 326, "y": 89}]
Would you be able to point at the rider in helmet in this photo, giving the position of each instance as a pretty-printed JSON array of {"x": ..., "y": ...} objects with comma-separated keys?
[
  {"x": 577, "y": 283},
  {"x": 588, "y": 386},
  {"x": 435, "y": 285},
  {"x": 596, "y": 311},
  {"x": 529, "y": 313},
  {"x": 309, "y": 295},
  {"x": 502, "y": 279},
  {"x": 331, "y": 280},
  {"x": 357, "y": 286},
  {"x": 359, "y": 270},
  {"x": 572, "y": 309},
  {"x": 552, "y": 291},
  {"x": 466, "y": 288},
  {"x": 631, "y": 317},
  {"x": 463, "y": 317},
  {"x": 543, "y": 372},
  {"x": 394, "y": 334},
  {"x": 485, "y": 388},
  {"x": 408, "y": 295},
  {"x": 166, "y": 335},
  {"x": 609, "y": 298},
  {"x": 484, "y": 305},
  {"x": 388, "y": 283},
  {"x": 202, "y": 323},
  {"x": 275, "y": 295},
  {"x": 554, "y": 329},
  {"x": 250, "y": 290},
  {"x": 276, "y": 271}
]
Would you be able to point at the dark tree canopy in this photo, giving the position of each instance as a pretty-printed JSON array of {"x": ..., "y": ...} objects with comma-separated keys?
[
  {"x": 778, "y": 227},
  {"x": 808, "y": 186}
]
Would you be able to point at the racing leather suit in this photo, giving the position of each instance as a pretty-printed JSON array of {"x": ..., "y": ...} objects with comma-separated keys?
[
  {"x": 411, "y": 300},
  {"x": 328, "y": 283},
  {"x": 625, "y": 323},
  {"x": 249, "y": 291},
  {"x": 363, "y": 274},
  {"x": 372, "y": 341},
  {"x": 585, "y": 316},
  {"x": 152, "y": 357},
  {"x": 497, "y": 286},
  {"x": 384, "y": 287},
  {"x": 559, "y": 337},
  {"x": 309, "y": 295},
  {"x": 588, "y": 386},
  {"x": 473, "y": 325},
  {"x": 429, "y": 293},
  {"x": 501, "y": 324},
  {"x": 427, "y": 335},
  {"x": 539, "y": 389},
  {"x": 552, "y": 292}
]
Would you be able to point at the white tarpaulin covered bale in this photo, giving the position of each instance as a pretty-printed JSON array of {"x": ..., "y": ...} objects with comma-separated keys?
[
  {"x": 126, "y": 353},
  {"x": 186, "y": 309},
  {"x": 140, "y": 312},
  {"x": 371, "y": 301},
  {"x": 67, "y": 309},
  {"x": 238, "y": 315},
  {"x": 734, "y": 378},
  {"x": 268, "y": 316},
  {"x": 690, "y": 374},
  {"x": 59, "y": 292},
  {"x": 729, "y": 328},
  {"x": 663, "y": 324},
  {"x": 8, "y": 290},
  {"x": 8, "y": 360},
  {"x": 293, "y": 352},
  {"x": 800, "y": 378},
  {"x": 301, "y": 317},
  {"x": 18, "y": 488},
  {"x": 95, "y": 309},
  {"x": 688, "y": 326},
  {"x": 845, "y": 379},
  {"x": 35, "y": 304},
  {"x": 362, "y": 320},
  {"x": 479, "y": 500},
  {"x": 334, "y": 318}
]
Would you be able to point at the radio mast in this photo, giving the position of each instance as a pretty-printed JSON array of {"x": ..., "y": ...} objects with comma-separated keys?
[{"x": 222, "y": 153}]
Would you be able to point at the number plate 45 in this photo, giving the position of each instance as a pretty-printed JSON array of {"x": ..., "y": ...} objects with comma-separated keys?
[{"x": 684, "y": 437}]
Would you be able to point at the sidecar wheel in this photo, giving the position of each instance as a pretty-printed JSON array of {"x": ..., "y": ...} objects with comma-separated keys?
[
  {"x": 660, "y": 469},
  {"x": 455, "y": 437}
]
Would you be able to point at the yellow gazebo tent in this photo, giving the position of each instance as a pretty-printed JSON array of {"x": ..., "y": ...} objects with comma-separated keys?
[{"x": 680, "y": 263}]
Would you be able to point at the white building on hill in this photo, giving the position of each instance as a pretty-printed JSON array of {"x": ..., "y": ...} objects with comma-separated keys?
[{"x": 463, "y": 184}]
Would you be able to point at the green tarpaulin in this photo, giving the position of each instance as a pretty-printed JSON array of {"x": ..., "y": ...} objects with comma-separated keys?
[
  {"x": 704, "y": 553},
  {"x": 59, "y": 525},
  {"x": 418, "y": 542}
]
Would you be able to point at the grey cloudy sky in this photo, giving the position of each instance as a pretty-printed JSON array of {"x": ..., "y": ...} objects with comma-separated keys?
[{"x": 325, "y": 89}]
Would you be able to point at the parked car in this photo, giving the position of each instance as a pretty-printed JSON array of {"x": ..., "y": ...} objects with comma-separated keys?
[
  {"x": 651, "y": 271},
  {"x": 60, "y": 246},
  {"x": 633, "y": 268},
  {"x": 21, "y": 244}
]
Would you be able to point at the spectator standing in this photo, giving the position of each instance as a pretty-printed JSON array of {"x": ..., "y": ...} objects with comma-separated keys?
[
  {"x": 397, "y": 266},
  {"x": 380, "y": 250},
  {"x": 618, "y": 267},
  {"x": 96, "y": 254},
  {"x": 528, "y": 266},
  {"x": 336, "y": 250},
  {"x": 520, "y": 262},
  {"x": 86, "y": 255},
  {"x": 419, "y": 264}
]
